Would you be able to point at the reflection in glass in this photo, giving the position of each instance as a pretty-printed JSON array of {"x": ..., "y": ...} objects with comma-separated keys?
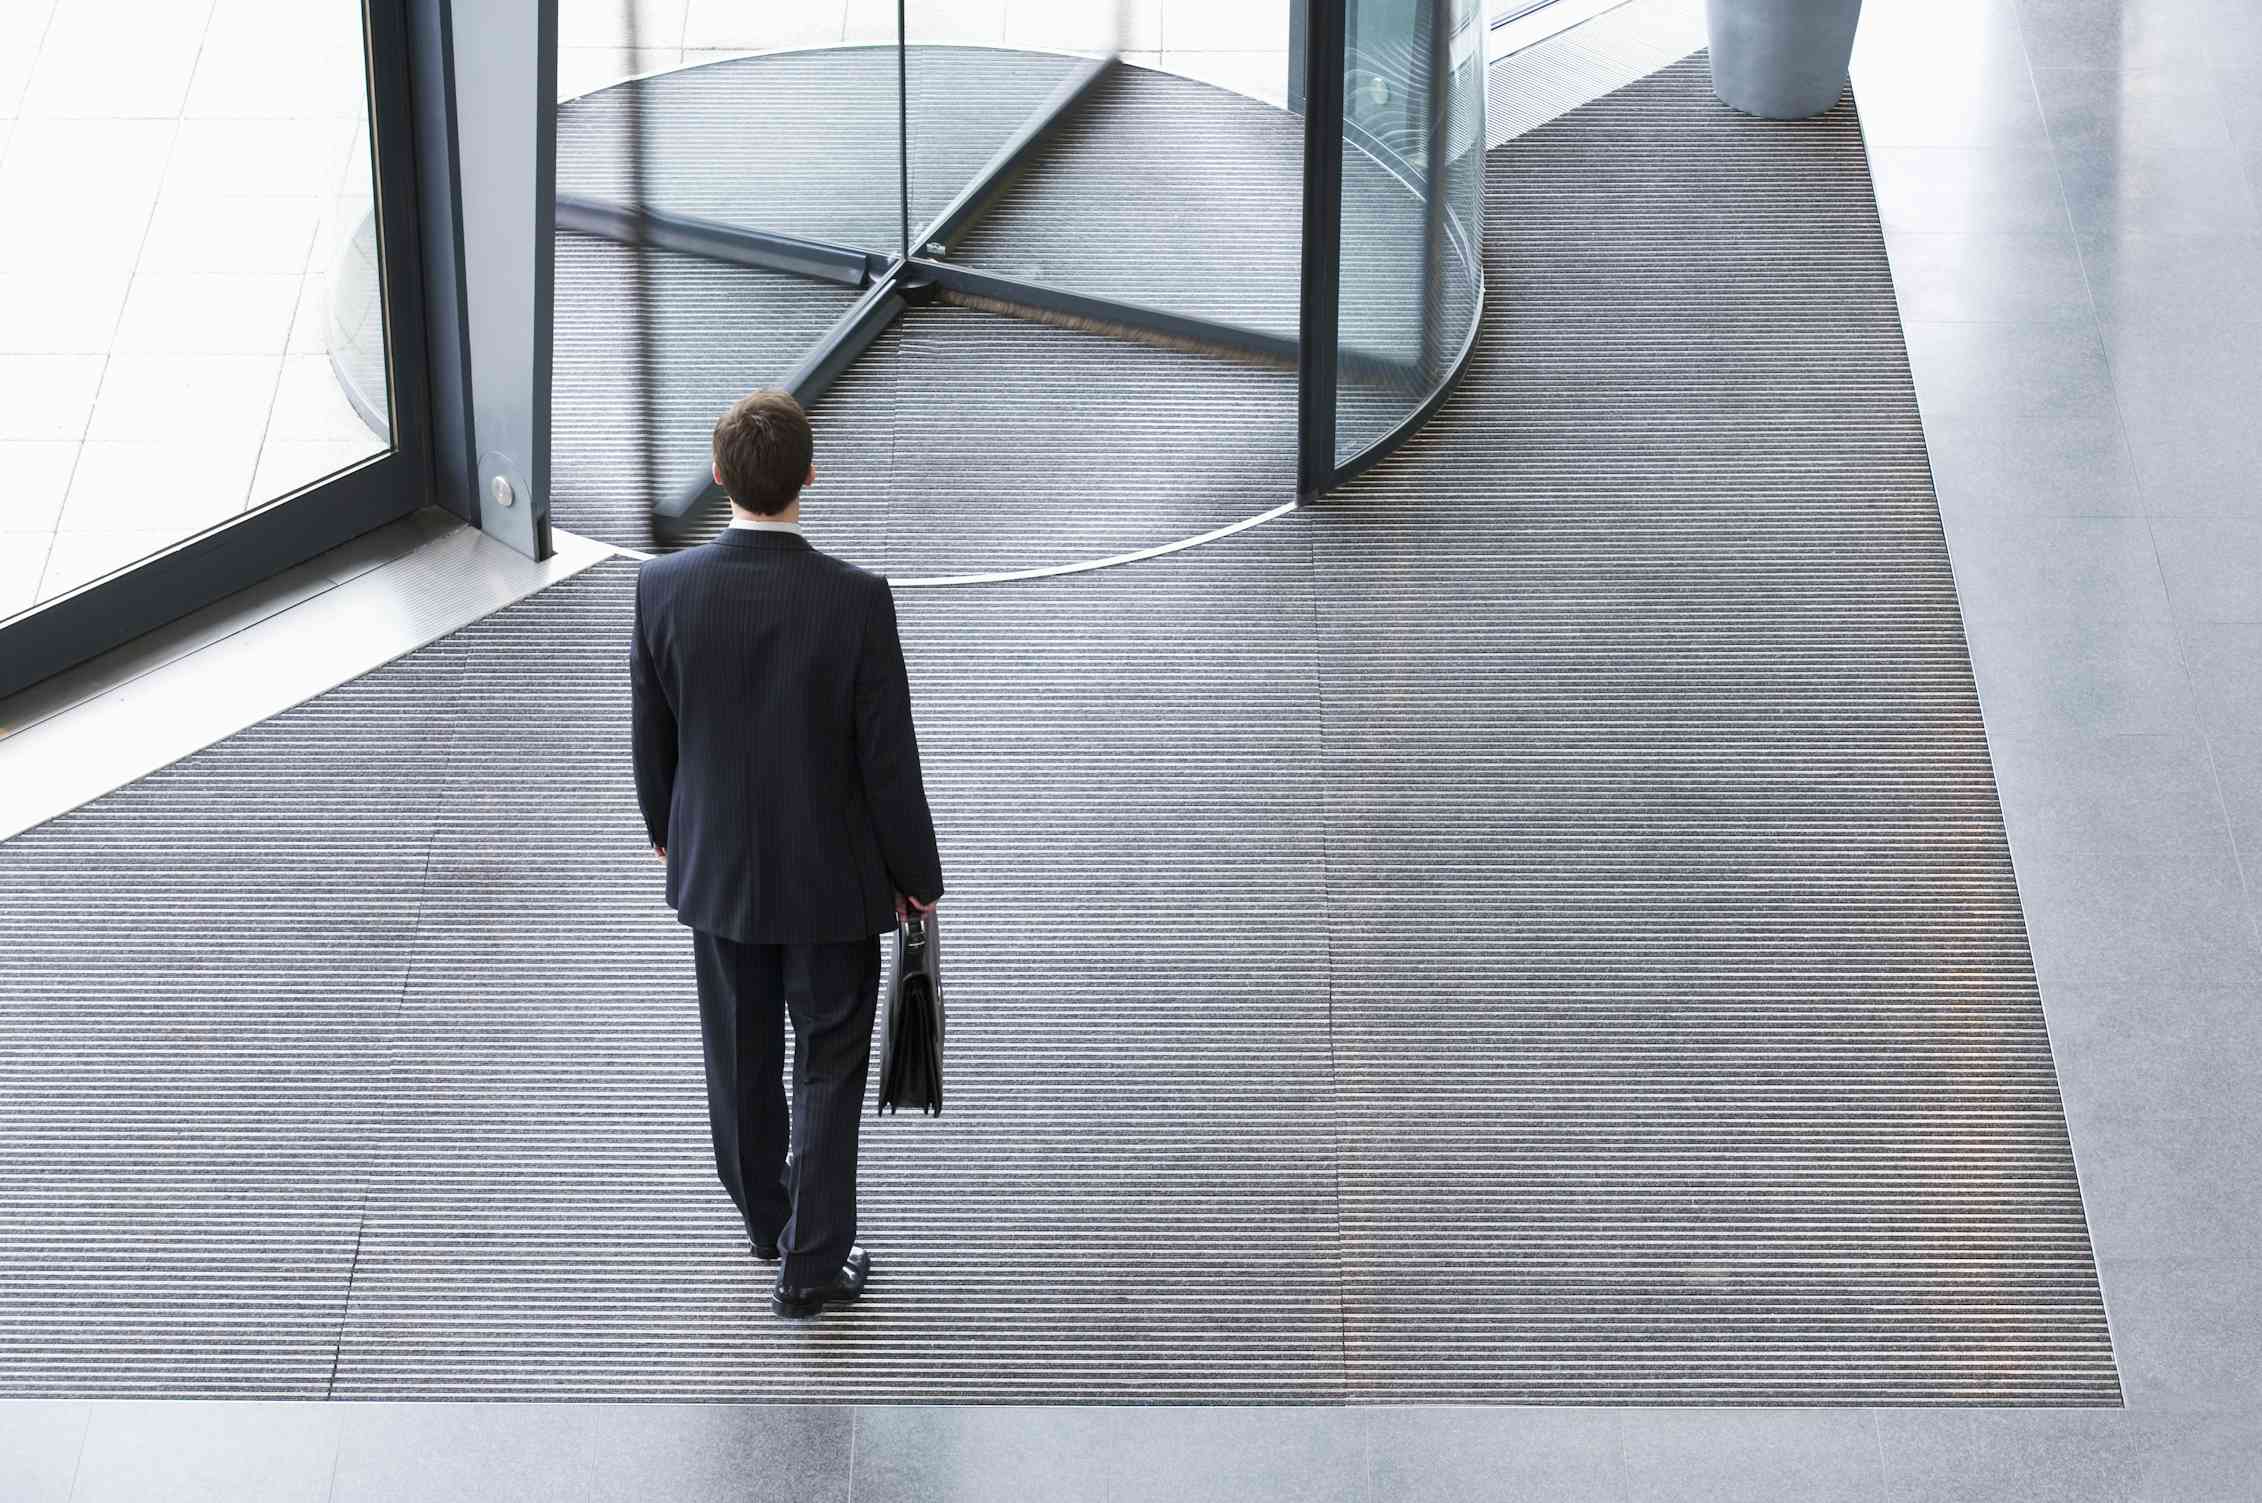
[{"x": 1413, "y": 170}]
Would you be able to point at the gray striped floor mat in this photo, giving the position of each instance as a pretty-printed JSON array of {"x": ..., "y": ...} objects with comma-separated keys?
[{"x": 1535, "y": 929}]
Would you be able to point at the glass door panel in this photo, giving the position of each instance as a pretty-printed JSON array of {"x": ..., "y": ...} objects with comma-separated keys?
[
  {"x": 192, "y": 290},
  {"x": 1413, "y": 159}
]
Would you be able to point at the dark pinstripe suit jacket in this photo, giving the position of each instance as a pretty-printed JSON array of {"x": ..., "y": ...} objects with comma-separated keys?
[{"x": 775, "y": 757}]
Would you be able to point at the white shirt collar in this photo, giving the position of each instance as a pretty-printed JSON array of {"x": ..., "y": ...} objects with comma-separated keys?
[{"x": 764, "y": 525}]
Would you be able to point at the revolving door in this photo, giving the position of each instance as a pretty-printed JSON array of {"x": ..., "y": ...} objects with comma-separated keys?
[{"x": 1318, "y": 215}]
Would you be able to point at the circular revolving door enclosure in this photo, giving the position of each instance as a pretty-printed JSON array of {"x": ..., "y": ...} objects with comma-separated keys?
[{"x": 1006, "y": 277}]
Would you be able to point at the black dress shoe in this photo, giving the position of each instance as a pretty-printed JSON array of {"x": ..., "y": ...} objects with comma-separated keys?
[
  {"x": 765, "y": 1251},
  {"x": 805, "y": 1304}
]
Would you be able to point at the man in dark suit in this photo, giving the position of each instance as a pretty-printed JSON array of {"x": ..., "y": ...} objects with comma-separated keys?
[{"x": 779, "y": 778}]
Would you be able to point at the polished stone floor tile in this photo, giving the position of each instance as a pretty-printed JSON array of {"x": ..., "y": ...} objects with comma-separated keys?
[
  {"x": 38, "y": 477},
  {"x": 21, "y": 26},
  {"x": 2145, "y": 278},
  {"x": 1966, "y": 190},
  {"x": 1497, "y": 1456},
  {"x": 84, "y": 72},
  {"x": 208, "y": 313},
  {"x": 2172, "y": 1184},
  {"x": 2124, "y": 1051},
  {"x": 1920, "y": 37},
  {"x": 1745, "y": 1455},
  {"x": 2157, "y": 189},
  {"x": 2052, "y": 1456},
  {"x": 2187, "y": 1332},
  {"x": 2214, "y": 473},
  {"x": 2163, "y": 919},
  {"x": 1929, "y": 1456},
  {"x": 40, "y": 1442},
  {"x": 218, "y": 399},
  {"x": 733, "y": 24},
  {"x": 1985, "y": 102},
  {"x": 2059, "y": 568},
  {"x": 2028, "y": 277},
  {"x": 2238, "y": 772},
  {"x": 2226, "y": 674},
  {"x": 2102, "y": 678},
  {"x": 2193, "y": 1457},
  {"x": 593, "y": 1453},
  {"x": 1990, "y": 466},
  {"x": 114, "y": 486},
  {"x": 208, "y": 1451},
  {"x": 2141, "y": 108},
  {"x": 972, "y": 1454},
  {"x": 2238, "y": 88},
  {"x": 23, "y": 559},
  {"x": 2009, "y": 372},
  {"x": 2112, "y": 33},
  {"x": 2212, "y": 566},
  {"x": 1200, "y": 1455},
  {"x": 46, "y": 398},
  {"x": 2111, "y": 796},
  {"x": 61, "y": 312},
  {"x": 2185, "y": 385}
]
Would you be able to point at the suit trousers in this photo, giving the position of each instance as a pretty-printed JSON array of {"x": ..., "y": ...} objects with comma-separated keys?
[{"x": 746, "y": 993}]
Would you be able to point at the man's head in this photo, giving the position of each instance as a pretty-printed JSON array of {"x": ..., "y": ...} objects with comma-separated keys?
[{"x": 762, "y": 451}]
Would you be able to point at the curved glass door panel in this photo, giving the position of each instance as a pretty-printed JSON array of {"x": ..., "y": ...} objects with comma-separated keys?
[
  {"x": 800, "y": 142},
  {"x": 1412, "y": 224},
  {"x": 983, "y": 89},
  {"x": 1177, "y": 194}
]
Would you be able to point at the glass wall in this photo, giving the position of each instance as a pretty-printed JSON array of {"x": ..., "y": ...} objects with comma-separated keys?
[{"x": 191, "y": 309}]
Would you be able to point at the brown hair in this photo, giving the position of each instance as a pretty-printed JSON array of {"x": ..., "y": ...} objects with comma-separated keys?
[{"x": 762, "y": 451}]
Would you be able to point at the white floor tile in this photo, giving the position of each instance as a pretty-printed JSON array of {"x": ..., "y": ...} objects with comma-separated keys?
[
  {"x": 618, "y": 23},
  {"x": 23, "y": 25},
  {"x": 584, "y": 70},
  {"x": 218, "y": 399},
  {"x": 309, "y": 406},
  {"x": 266, "y": 62},
  {"x": 310, "y": 325},
  {"x": 287, "y": 465},
  {"x": 208, "y": 315},
  {"x": 1084, "y": 25},
  {"x": 229, "y": 158},
  {"x": 1259, "y": 75},
  {"x": 23, "y": 558},
  {"x": 51, "y": 163},
  {"x": 47, "y": 312},
  {"x": 1208, "y": 26},
  {"x": 153, "y": 487},
  {"x": 763, "y": 25},
  {"x": 971, "y": 22},
  {"x": 79, "y": 557},
  {"x": 47, "y": 397},
  {"x": 97, "y": 249},
  {"x": 117, "y": 59},
  {"x": 33, "y": 479},
  {"x": 242, "y": 236}
]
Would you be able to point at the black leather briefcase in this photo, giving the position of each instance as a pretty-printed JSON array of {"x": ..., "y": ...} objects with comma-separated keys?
[{"x": 911, "y": 1049}]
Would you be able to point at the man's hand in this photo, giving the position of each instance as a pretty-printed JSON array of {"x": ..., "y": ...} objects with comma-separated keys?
[
  {"x": 906, "y": 905},
  {"x": 660, "y": 851}
]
